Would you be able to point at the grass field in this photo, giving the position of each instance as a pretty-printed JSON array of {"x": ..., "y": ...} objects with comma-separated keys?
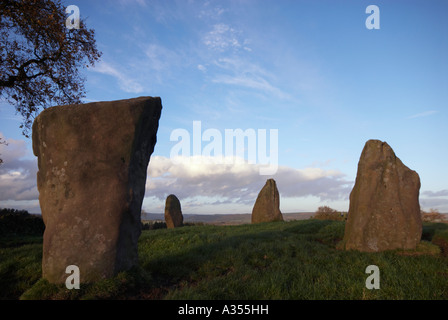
[{"x": 281, "y": 260}]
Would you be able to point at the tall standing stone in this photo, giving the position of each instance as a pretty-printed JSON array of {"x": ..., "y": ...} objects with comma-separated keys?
[
  {"x": 384, "y": 212},
  {"x": 267, "y": 205},
  {"x": 173, "y": 212},
  {"x": 93, "y": 161}
]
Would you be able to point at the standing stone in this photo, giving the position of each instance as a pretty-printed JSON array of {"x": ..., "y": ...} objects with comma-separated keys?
[
  {"x": 384, "y": 212},
  {"x": 267, "y": 206},
  {"x": 93, "y": 161},
  {"x": 173, "y": 212}
]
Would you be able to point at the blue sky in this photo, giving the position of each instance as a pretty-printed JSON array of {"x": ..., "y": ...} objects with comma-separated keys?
[{"x": 310, "y": 69}]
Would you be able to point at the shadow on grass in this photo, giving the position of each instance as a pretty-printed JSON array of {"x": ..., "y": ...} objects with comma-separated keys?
[
  {"x": 430, "y": 229},
  {"x": 254, "y": 248}
]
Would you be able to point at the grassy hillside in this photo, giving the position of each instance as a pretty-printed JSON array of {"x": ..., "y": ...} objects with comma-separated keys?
[{"x": 282, "y": 260}]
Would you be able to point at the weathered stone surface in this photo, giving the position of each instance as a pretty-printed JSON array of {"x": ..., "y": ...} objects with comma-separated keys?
[
  {"x": 267, "y": 205},
  {"x": 173, "y": 212},
  {"x": 93, "y": 161},
  {"x": 384, "y": 212}
]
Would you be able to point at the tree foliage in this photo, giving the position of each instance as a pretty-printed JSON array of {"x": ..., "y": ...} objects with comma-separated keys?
[
  {"x": 20, "y": 222},
  {"x": 40, "y": 58},
  {"x": 2, "y": 141},
  {"x": 327, "y": 213},
  {"x": 433, "y": 215}
]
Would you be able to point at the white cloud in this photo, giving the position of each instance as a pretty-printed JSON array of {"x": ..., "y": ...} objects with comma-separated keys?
[
  {"x": 125, "y": 82},
  {"x": 223, "y": 37},
  {"x": 435, "y": 200},
  {"x": 207, "y": 181},
  {"x": 32, "y": 206},
  {"x": 440, "y": 204},
  {"x": 17, "y": 173},
  {"x": 441, "y": 193},
  {"x": 238, "y": 181},
  {"x": 210, "y": 12}
]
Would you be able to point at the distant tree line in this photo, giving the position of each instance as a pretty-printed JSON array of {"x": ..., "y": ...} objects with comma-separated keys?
[
  {"x": 153, "y": 225},
  {"x": 327, "y": 213},
  {"x": 20, "y": 222}
]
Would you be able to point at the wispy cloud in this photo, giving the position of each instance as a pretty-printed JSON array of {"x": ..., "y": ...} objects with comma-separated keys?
[
  {"x": 160, "y": 58},
  {"x": 423, "y": 114},
  {"x": 125, "y": 82},
  {"x": 210, "y": 12},
  {"x": 253, "y": 82},
  {"x": 223, "y": 37},
  {"x": 240, "y": 72}
]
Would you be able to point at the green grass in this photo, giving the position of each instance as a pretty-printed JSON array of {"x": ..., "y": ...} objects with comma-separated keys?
[
  {"x": 20, "y": 267},
  {"x": 281, "y": 260}
]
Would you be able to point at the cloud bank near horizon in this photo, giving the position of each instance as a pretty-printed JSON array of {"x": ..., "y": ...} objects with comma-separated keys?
[
  {"x": 200, "y": 181},
  {"x": 18, "y": 172},
  {"x": 237, "y": 181}
]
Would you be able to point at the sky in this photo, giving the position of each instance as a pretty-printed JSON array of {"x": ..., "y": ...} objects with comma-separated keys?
[{"x": 308, "y": 74}]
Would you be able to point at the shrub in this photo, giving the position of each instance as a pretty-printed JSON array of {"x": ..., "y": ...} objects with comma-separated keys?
[
  {"x": 430, "y": 228},
  {"x": 327, "y": 213},
  {"x": 153, "y": 225},
  {"x": 432, "y": 216},
  {"x": 425, "y": 247},
  {"x": 331, "y": 234},
  {"x": 441, "y": 239}
]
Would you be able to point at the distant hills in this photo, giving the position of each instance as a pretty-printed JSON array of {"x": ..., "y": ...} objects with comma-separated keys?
[{"x": 224, "y": 219}]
